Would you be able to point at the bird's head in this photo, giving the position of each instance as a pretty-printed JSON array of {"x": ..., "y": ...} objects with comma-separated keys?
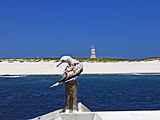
[{"x": 65, "y": 59}]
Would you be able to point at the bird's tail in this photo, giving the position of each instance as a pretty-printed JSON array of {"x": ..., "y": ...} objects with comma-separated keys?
[{"x": 56, "y": 84}]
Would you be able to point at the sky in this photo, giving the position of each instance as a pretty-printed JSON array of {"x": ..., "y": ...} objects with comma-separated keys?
[{"x": 128, "y": 29}]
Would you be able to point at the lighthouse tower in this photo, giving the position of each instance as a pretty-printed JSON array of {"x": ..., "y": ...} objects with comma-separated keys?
[{"x": 93, "y": 52}]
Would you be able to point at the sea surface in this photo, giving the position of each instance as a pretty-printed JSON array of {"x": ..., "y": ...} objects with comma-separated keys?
[{"x": 25, "y": 97}]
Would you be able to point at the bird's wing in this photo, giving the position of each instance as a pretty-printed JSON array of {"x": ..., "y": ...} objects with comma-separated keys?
[{"x": 71, "y": 72}]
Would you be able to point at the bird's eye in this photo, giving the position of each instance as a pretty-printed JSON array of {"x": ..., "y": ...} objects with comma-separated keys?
[{"x": 63, "y": 61}]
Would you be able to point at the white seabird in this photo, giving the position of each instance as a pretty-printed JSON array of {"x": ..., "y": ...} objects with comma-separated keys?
[{"x": 71, "y": 72}]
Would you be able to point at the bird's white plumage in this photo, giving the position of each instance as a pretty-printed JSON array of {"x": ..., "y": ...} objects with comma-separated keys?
[{"x": 71, "y": 72}]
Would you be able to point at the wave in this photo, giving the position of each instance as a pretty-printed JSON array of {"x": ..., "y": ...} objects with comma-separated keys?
[
  {"x": 153, "y": 74},
  {"x": 143, "y": 74},
  {"x": 12, "y": 76}
]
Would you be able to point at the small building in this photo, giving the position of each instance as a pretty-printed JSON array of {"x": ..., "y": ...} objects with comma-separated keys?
[{"x": 93, "y": 52}]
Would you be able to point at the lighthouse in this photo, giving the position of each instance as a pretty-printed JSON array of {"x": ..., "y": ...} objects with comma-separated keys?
[{"x": 93, "y": 52}]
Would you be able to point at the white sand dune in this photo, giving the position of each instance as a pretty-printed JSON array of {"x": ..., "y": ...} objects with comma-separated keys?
[{"x": 38, "y": 68}]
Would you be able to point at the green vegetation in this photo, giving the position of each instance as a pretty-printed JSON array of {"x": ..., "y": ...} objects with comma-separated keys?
[
  {"x": 11, "y": 60},
  {"x": 100, "y": 59},
  {"x": 22, "y": 60},
  {"x": 151, "y": 58}
]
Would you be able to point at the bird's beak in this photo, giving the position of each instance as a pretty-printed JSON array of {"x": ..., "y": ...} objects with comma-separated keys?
[{"x": 60, "y": 63}]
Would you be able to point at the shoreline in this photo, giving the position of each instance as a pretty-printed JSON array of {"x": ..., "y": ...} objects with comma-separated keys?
[{"x": 49, "y": 68}]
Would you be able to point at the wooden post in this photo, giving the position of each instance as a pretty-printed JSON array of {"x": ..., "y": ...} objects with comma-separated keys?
[{"x": 71, "y": 96}]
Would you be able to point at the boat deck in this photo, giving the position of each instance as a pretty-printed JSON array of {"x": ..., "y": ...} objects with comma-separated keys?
[{"x": 85, "y": 114}]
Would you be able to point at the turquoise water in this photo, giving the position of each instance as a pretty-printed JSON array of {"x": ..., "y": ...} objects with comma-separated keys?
[{"x": 24, "y": 97}]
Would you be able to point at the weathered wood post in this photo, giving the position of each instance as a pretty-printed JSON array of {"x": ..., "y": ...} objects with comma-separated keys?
[{"x": 71, "y": 96}]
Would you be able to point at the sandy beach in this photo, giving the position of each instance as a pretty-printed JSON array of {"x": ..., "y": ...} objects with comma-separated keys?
[{"x": 49, "y": 68}]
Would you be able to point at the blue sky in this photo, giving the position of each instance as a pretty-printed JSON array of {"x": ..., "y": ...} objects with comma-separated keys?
[{"x": 52, "y": 28}]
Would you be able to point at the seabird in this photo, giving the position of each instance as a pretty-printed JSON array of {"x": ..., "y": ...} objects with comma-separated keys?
[{"x": 71, "y": 72}]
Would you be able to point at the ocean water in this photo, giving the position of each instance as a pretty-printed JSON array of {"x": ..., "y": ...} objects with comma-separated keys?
[{"x": 24, "y": 97}]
